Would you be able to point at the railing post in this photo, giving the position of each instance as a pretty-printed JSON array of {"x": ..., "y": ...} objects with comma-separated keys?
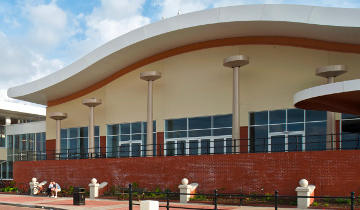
[
  {"x": 352, "y": 200},
  {"x": 215, "y": 199},
  {"x": 167, "y": 201},
  {"x": 130, "y": 197},
  {"x": 276, "y": 199}
]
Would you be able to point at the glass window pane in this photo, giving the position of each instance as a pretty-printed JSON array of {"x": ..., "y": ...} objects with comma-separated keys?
[
  {"x": 295, "y": 115},
  {"x": 295, "y": 143},
  {"x": 313, "y": 115},
  {"x": 181, "y": 147},
  {"x": 199, "y": 122},
  {"x": 222, "y": 131},
  {"x": 259, "y": 118},
  {"x": 278, "y": 143},
  {"x": 218, "y": 146},
  {"x": 259, "y": 138},
  {"x": 124, "y": 150},
  {"x": 197, "y": 133},
  {"x": 221, "y": 121},
  {"x": 205, "y": 146},
  {"x": 136, "y": 127},
  {"x": 84, "y": 132},
  {"x": 315, "y": 136},
  {"x": 125, "y": 128},
  {"x": 193, "y": 147},
  {"x": 135, "y": 150},
  {"x": 170, "y": 148},
  {"x": 176, "y": 134},
  {"x": 112, "y": 143},
  {"x": 229, "y": 145},
  {"x": 277, "y": 116},
  {"x": 277, "y": 128},
  {"x": 177, "y": 124},
  {"x": 349, "y": 116},
  {"x": 97, "y": 131},
  {"x": 84, "y": 144},
  {"x": 296, "y": 127},
  {"x": 136, "y": 137},
  {"x": 113, "y": 129},
  {"x": 125, "y": 137},
  {"x": 73, "y": 132}
]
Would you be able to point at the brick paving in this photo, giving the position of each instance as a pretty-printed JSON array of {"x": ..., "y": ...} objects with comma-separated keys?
[{"x": 31, "y": 202}]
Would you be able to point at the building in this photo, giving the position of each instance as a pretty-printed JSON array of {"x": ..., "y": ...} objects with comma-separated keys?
[
  {"x": 192, "y": 101},
  {"x": 21, "y": 126}
]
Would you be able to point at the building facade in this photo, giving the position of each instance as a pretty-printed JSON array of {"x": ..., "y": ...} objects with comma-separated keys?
[{"x": 192, "y": 101}]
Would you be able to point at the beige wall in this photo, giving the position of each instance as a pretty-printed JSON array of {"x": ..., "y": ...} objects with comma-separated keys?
[
  {"x": 196, "y": 84},
  {"x": 3, "y": 153}
]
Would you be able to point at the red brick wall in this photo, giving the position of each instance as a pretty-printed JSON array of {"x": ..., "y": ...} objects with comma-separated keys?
[
  {"x": 160, "y": 143},
  {"x": 244, "y": 136},
  {"x": 50, "y": 149},
  {"x": 333, "y": 172},
  {"x": 103, "y": 146}
]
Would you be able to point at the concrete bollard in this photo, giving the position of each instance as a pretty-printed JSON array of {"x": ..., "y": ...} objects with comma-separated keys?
[
  {"x": 94, "y": 189},
  {"x": 305, "y": 190},
  {"x": 187, "y": 189},
  {"x": 149, "y": 205}
]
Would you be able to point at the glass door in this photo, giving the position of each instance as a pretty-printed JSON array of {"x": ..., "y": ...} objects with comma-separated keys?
[{"x": 286, "y": 141}]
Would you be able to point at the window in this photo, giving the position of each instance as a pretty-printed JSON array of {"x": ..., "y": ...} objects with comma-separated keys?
[
  {"x": 287, "y": 130},
  {"x": 128, "y": 139},
  {"x": 2, "y": 136},
  {"x": 198, "y": 135},
  {"x": 350, "y": 131},
  {"x": 74, "y": 143}
]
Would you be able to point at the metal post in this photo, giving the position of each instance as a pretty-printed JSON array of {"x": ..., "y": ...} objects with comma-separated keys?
[
  {"x": 130, "y": 197},
  {"x": 276, "y": 199},
  {"x": 215, "y": 199},
  {"x": 167, "y": 201},
  {"x": 352, "y": 200}
]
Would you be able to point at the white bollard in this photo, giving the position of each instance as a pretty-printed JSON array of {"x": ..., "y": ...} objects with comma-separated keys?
[
  {"x": 94, "y": 189},
  {"x": 186, "y": 189},
  {"x": 149, "y": 205},
  {"x": 304, "y": 190},
  {"x": 33, "y": 186}
]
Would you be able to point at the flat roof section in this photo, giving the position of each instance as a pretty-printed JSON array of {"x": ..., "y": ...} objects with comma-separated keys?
[
  {"x": 277, "y": 24},
  {"x": 342, "y": 97}
]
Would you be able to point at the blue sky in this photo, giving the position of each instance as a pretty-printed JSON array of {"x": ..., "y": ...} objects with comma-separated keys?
[{"x": 38, "y": 37}]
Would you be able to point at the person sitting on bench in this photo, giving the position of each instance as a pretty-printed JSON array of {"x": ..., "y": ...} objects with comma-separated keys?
[{"x": 55, "y": 189}]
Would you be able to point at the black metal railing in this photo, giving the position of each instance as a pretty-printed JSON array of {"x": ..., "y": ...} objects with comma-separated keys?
[
  {"x": 204, "y": 146},
  {"x": 170, "y": 203}
]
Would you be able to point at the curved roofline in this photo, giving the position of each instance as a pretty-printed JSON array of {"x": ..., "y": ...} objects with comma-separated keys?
[
  {"x": 343, "y": 97},
  {"x": 318, "y": 23}
]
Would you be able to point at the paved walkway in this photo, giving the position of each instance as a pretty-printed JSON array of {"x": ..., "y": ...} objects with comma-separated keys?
[{"x": 10, "y": 202}]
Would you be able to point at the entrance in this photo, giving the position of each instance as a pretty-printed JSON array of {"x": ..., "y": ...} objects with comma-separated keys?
[{"x": 286, "y": 141}]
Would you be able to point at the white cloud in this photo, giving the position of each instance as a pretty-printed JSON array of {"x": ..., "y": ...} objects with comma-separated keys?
[
  {"x": 114, "y": 18},
  {"x": 49, "y": 25},
  {"x": 20, "y": 65}
]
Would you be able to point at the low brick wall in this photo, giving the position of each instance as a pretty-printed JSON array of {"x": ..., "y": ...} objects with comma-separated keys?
[{"x": 333, "y": 172}]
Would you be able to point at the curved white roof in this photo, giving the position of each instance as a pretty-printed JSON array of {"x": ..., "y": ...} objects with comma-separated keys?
[
  {"x": 321, "y": 23},
  {"x": 343, "y": 97}
]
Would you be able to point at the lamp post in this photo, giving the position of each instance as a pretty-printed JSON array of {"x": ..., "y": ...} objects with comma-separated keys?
[
  {"x": 150, "y": 76},
  {"x": 58, "y": 116},
  {"x": 235, "y": 62},
  {"x": 91, "y": 103},
  {"x": 330, "y": 72}
]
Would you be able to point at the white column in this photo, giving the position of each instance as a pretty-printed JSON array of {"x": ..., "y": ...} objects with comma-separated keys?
[
  {"x": 150, "y": 76},
  {"x": 58, "y": 116},
  {"x": 235, "y": 62}
]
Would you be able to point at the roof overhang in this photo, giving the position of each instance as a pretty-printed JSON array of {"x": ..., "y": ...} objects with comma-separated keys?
[
  {"x": 318, "y": 23},
  {"x": 343, "y": 97}
]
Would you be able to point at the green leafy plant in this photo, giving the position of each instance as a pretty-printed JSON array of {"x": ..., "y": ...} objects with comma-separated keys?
[{"x": 315, "y": 204}]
